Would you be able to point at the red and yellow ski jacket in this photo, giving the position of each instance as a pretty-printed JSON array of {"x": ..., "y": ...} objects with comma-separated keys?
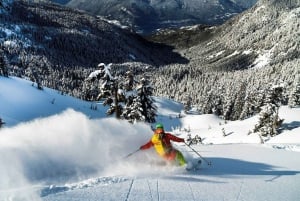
[{"x": 162, "y": 143}]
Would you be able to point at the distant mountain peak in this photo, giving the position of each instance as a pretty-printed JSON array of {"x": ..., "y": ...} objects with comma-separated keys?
[{"x": 148, "y": 16}]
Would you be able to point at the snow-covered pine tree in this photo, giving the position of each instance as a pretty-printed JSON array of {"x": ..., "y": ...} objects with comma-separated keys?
[
  {"x": 3, "y": 65},
  {"x": 144, "y": 96},
  {"x": 217, "y": 103},
  {"x": 32, "y": 73},
  {"x": 248, "y": 109},
  {"x": 133, "y": 110},
  {"x": 207, "y": 105},
  {"x": 108, "y": 89},
  {"x": 88, "y": 92},
  {"x": 129, "y": 81},
  {"x": 239, "y": 101},
  {"x": 187, "y": 103},
  {"x": 228, "y": 104},
  {"x": 294, "y": 98},
  {"x": 269, "y": 120}
]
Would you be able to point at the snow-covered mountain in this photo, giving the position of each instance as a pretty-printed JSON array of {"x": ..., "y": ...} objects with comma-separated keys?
[
  {"x": 56, "y": 148},
  {"x": 146, "y": 16},
  {"x": 59, "y": 36},
  {"x": 266, "y": 32},
  {"x": 269, "y": 29},
  {"x": 243, "y": 58},
  {"x": 54, "y": 41}
]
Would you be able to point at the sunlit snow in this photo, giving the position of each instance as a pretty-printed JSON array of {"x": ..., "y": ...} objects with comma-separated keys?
[{"x": 55, "y": 148}]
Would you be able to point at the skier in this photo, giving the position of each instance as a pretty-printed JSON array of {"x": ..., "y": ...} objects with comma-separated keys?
[{"x": 161, "y": 142}]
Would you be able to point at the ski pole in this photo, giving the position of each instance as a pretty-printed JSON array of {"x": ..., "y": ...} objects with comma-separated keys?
[
  {"x": 208, "y": 162},
  {"x": 132, "y": 153}
]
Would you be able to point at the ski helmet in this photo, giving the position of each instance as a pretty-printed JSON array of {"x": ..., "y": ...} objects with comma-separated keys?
[{"x": 159, "y": 125}]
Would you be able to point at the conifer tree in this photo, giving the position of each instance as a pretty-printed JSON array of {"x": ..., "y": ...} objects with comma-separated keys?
[
  {"x": 187, "y": 103},
  {"x": 239, "y": 101},
  {"x": 248, "y": 109},
  {"x": 139, "y": 102},
  {"x": 129, "y": 81},
  {"x": 133, "y": 110},
  {"x": 3, "y": 65},
  {"x": 144, "y": 97},
  {"x": 217, "y": 104},
  {"x": 269, "y": 120},
  {"x": 294, "y": 98},
  {"x": 32, "y": 73},
  {"x": 108, "y": 89},
  {"x": 228, "y": 105}
]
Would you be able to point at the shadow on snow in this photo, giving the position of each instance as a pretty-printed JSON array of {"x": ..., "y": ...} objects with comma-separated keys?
[
  {"x": 234, "y": 167},
  {"x": 290, "y": 126}
]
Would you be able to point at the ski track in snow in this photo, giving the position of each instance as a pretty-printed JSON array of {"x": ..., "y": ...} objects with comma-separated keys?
[
  {"x": 157, "y": 190},
  {"x": 240, "y": 191},
  {"x": 129, "y": 190},
  {"x": 287, "y": 147},
  {"x": 237, "y": 179},
  {"x": 150, "y": 191},
  {"x": 192, "y": 193},
  {"x": 53, "y": 189},
  {"x": 149, "y": 184}
]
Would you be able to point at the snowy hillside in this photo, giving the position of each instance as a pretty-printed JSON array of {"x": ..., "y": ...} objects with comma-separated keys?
[
  {"x": 265, "y": 33},
  {"x": 27, "y": 103},
  {"x": 236, "y": 62},
  {"x": 55, "y": 148}
]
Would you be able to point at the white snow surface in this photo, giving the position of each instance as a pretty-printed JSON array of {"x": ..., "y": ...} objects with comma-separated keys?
[
  {"x": 262, "y": 59},
  {"x": 55, "y": 148}
]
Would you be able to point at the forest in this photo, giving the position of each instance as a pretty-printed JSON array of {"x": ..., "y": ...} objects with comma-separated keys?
[{"x": 231, "y": 70}]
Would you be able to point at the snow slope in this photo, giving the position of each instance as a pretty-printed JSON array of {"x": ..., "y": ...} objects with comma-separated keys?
[
  {"x": 20, "y": 102},
  {"x": 62, "y": 150}
]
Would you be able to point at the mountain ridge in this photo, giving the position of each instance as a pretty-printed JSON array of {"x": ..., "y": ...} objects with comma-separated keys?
[{"x": 147, "y": 16}]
